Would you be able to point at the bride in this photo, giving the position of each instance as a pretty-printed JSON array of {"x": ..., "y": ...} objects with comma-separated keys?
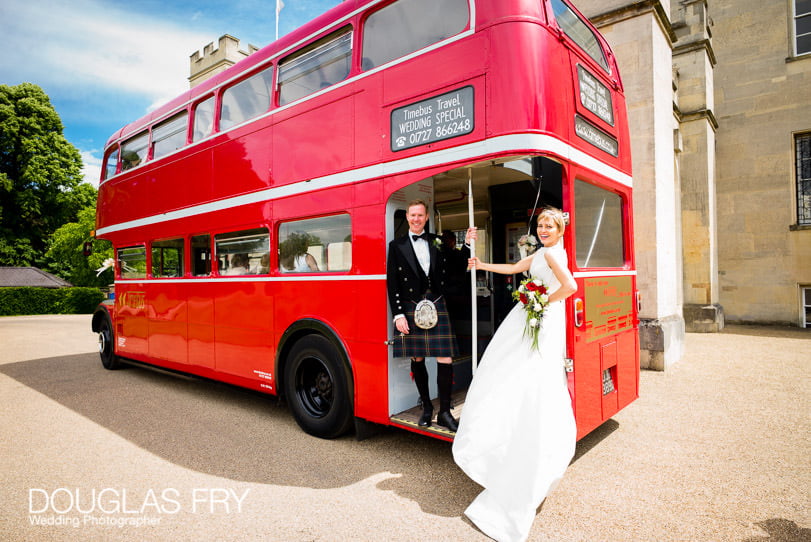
[{"x": 517, "y": 431}]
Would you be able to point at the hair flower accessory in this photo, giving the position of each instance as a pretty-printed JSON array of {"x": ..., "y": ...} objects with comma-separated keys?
[
  {"x": 527, "y": 245},
  {"x": 534, "y": 297}
]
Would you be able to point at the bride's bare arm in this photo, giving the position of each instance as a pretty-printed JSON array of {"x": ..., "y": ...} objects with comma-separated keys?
[
  {"x": 568, "y": 285},
  {"x": 502, "y": 268}
]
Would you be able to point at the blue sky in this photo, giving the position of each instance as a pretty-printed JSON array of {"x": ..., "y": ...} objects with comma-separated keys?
[{"x": 106, "y": 63}]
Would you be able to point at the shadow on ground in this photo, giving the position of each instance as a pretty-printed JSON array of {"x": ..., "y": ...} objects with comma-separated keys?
[{"x": 237, "y": 434}]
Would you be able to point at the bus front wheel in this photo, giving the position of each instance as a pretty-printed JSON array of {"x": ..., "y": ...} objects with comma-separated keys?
[
  {"x": 317, "y": 388},
  {"x": 106, "y": 348}
]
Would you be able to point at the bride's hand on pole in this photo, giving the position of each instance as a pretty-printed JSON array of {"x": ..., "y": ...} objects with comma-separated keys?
[{"x": 474, "y": 262}]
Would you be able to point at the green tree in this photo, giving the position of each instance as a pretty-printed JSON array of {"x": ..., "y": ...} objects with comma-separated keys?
[
  {"x": 41, "y": 184},
  {"x": 65, "y": 256}
]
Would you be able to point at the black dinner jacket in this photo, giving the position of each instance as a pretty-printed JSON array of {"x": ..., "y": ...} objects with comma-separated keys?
[{"x": 404, "y": 276}]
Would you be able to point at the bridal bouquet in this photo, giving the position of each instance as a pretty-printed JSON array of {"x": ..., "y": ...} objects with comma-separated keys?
[{"x": 534, "y": 298}]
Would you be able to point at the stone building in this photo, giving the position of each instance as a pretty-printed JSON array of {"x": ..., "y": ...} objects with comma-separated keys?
[
  {"x": 214, "y": 61},
  {"x": 720, "y": 113}
]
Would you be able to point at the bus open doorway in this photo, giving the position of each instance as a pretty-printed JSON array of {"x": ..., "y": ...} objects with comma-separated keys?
[{"x": 505, "y": 192}]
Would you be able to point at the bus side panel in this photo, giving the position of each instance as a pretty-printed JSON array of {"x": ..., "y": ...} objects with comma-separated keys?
[
  {"x": 172, "y": 185},
  {"x": 587, "y": 386},
  {"x": 132, "y": 324},
  {"x": 369, "y": 356},
  {"x": 539, "y": 91},
  {"x": 317, "y": 151},
  {"x": 167, "y": 310},
  {"x": 120, "y": 200},
  {"x": 243, "y": 339},
  {"x": 242, "y": 162},
  {"x": 606, "y": 360},
  {"x": 628, "y": 369},
  {"x": 201, "y": 324}
]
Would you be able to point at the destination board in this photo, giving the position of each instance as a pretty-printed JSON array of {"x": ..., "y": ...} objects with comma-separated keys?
[
  {"x": 441, "y": 117},
  {"x": 595, "y": 96},
  {"x": 585, "y": 130}
]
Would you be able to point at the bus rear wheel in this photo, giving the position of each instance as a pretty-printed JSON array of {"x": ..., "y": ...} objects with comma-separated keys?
[
  {"x": 106, "y": 348},
  {"x": 317, "y": 388}
]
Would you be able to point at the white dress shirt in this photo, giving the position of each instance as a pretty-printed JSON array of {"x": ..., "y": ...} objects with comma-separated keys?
[{"x": 421, "y": 250}]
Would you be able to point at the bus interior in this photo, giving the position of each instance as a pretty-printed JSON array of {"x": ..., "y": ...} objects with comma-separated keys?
[{"x": 504, "y": 192}]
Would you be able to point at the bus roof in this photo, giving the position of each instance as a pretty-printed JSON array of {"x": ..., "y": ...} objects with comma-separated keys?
[{"x": 264, "y": 55}]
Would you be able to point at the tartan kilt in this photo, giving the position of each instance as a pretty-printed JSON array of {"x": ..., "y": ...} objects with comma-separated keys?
[{"x": 439, "y": 341}]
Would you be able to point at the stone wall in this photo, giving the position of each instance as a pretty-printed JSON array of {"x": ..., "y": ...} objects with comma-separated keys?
[{"x": 762, "y": 99}]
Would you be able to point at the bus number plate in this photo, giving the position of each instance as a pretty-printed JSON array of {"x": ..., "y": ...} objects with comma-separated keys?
[{"x": 441, "y": 117}]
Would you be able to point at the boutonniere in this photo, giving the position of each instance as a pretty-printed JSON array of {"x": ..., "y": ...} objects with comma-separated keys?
[{"x": 437, "y": 242}]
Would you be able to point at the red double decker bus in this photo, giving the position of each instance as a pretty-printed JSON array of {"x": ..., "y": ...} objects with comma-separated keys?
[{"x": 251, "y": 215}]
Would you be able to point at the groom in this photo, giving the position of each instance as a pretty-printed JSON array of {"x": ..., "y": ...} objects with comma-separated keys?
[{"x": 416, "y": 271}]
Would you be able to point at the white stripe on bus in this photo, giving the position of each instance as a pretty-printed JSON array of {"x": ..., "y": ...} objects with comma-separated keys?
[{"x": 521, "y": 143}]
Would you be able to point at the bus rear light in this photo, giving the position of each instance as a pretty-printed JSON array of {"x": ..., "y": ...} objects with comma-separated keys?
[
  {"x": 578, "y": 312},
  {"x": 638, "y": 301}
]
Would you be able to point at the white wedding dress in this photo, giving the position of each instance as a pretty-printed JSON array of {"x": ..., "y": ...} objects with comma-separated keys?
[{"x": 517, "y": 431}]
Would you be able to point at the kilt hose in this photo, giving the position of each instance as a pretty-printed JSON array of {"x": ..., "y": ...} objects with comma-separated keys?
[{"x": 439, "y": 341}]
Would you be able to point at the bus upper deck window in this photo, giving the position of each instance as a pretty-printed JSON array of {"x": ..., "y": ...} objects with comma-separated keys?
[
  {"x": 246, "y": 100},
  {"x": 169, "y": 135},
  {"x": 203, "y": 119},
  {"x": 111, "y": 164},
  {"x": 579, "y": 32},
  {"x": 321, "y": 65},
  {"x": 409, "y": 25},
  {"x": 134, "y": 151}
]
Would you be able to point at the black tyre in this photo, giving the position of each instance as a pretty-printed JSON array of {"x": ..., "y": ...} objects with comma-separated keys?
[
  {"x": 106, "y": 346},
  {"x": 317, "y": 388}
]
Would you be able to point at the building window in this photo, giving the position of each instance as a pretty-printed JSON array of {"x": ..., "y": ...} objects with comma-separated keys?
[
  {"x": 805, "y": 297},
  {"x": 802, "y": 27},
  {"x": 802, "y": 157}
]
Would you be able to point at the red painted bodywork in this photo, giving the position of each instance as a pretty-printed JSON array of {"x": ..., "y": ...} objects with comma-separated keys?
[{"x": 523, "y": 71}]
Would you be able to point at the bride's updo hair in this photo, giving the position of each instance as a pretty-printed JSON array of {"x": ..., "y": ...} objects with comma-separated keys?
[{"x": 555, "y": 215}]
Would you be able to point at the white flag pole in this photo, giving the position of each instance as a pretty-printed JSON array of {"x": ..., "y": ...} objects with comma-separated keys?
[
  {"x": 474, "y": 353},
  {"x": 279, "y": 6}
]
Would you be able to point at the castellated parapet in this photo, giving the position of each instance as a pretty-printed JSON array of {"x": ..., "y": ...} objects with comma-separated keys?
[{"x": 216, "y": 60}]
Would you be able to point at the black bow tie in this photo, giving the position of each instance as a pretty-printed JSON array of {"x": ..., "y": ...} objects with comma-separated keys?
[{"x": 423, "y": 235}]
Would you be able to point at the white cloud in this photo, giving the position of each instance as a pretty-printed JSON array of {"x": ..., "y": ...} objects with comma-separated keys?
[
  {"x": 90, "y": 42},
  {"x": 92, "y": 167}
]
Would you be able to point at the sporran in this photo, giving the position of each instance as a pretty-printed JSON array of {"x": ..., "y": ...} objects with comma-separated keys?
[{"x": 425, "y": 315}]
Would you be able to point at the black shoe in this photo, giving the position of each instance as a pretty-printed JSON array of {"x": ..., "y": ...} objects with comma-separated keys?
[
  {"x": 427, "y": 414},
  {"x": 445, "y": 419}
]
